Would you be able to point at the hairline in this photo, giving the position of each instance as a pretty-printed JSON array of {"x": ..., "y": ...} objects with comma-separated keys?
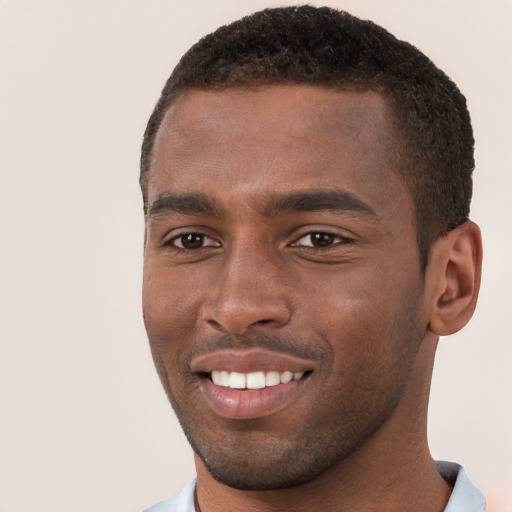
[{"x": 254, "y": 85}]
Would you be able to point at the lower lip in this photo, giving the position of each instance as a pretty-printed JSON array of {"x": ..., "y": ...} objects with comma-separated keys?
[{"x": 250, "y": 404}]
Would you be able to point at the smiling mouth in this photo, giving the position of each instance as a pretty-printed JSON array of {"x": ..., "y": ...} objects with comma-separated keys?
[
  {"x": 253, "y": 383},
  {"x": 254, "y": 380}
]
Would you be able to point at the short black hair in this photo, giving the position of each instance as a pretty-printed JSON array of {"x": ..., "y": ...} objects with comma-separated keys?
[{"x": 331, "y": 48}]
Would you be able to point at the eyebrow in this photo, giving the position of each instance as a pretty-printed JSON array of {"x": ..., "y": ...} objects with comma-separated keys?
[
  {"x": 334, "y": 200},
  {"x": 191, "y": 204}
]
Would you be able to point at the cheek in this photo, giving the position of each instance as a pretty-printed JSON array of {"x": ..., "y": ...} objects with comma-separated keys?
[
  {"x": 169, "y": 319},
  {"x": 369, "y": 318},
  {"x": 168, "y": 300}
]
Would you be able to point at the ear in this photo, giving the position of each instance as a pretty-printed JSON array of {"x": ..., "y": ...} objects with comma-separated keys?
[{"x": 453, "y": 276}]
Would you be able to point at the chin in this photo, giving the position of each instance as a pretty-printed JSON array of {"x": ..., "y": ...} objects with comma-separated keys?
[
  {"x": 258, "y": 479},
  {"x": 273, "y": 466}
]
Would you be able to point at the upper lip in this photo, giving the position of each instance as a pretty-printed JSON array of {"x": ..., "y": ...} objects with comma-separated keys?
[{"x": 246, "y": 361}]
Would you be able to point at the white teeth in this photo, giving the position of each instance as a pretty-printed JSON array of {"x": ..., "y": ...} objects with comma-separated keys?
[
  {"x": 224, "y": 378},
  {"x": 286, "y": 377},
  {"x": 273, "y": 379},
  {"x": 253, "y": 380},
  {"x": 221, "y": 378},
  {"x": 237, "y": 380}
]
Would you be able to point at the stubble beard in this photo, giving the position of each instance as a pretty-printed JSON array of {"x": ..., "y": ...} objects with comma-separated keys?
[
  {"x": 256, "y": 459},
  {"x": 250, "y": 455}
]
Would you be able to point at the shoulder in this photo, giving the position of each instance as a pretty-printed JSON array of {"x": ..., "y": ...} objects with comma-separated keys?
[
  {"x": 182, "y": 502},
  {"x": 465, "y": 496}
]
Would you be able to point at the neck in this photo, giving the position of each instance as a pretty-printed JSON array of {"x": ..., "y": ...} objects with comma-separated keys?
[{"x": 392, "y": 471}]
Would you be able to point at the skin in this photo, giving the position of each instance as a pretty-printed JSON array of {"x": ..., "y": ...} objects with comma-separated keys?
[{"x": 243, "y": 185}]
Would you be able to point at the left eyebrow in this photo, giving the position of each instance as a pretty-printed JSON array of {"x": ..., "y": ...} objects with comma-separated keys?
[
  {"x": 334, "y": 200},
  {"x": 191, "y": 204}
]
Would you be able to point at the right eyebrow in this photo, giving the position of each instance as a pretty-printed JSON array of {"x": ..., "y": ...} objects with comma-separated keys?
[
  {"x": 192, "y": 204},
  {"x": 333, "y": 200}
]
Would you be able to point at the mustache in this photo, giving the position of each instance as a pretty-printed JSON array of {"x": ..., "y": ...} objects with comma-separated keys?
[{"x": 285, "y": 344}]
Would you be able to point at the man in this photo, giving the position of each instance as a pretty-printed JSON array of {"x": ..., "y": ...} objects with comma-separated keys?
[{"x": 306, "y": 181}]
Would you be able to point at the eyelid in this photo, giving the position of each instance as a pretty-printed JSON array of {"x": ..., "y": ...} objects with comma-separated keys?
[
  {"x": 342, "y": 238},
  {"x": 177, "y": 233},
  {"x": 205, "y": 238}
]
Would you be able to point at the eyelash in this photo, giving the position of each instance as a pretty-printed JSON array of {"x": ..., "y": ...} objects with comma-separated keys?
[
  {"x": 336, "y": 240},
  {"x": 174, "y": 239}
]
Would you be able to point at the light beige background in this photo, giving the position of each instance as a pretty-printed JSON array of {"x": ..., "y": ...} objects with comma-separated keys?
[{"x": 84, "y": 424}]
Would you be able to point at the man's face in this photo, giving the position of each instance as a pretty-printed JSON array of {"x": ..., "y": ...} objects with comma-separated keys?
[{"x": 280, "y": 245}]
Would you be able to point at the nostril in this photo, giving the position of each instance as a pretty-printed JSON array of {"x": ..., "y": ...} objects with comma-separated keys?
[
  {"x": 264, "y": 321},
  {"x": 237, "y": 316}
]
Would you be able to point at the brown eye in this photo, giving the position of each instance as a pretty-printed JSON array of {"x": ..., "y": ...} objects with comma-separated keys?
[
  {"x": 318, "y": 239},
  {"x": 193, "y": 241},
  {"x": 322, "y": 239}
]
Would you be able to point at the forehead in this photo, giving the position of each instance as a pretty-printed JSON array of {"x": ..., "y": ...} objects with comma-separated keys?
[
  {"x": 272, "y": 138},
  {"x": 309, "y": 106}
]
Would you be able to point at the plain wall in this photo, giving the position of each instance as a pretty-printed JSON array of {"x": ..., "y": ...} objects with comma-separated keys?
[{"x": 84, "y": 423}]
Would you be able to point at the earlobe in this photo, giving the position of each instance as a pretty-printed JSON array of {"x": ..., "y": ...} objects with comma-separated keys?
[{"x": 454, "y": 273}]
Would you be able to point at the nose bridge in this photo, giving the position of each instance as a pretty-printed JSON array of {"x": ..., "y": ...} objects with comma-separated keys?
[{"x": 248, "y": 290}]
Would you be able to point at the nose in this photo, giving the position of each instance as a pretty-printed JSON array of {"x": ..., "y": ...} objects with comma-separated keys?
[{"x": 248, "y": 292}]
